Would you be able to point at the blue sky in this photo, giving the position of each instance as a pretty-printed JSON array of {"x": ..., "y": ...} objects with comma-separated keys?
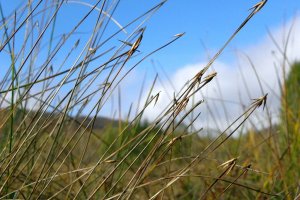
[{"x": 208, "y": 24}]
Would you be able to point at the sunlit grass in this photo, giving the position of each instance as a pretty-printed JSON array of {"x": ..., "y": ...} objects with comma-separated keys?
[{"x": 54, "y": 144}]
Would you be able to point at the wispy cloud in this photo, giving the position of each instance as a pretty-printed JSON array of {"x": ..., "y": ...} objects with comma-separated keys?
[{"x": 237, "y": 83}]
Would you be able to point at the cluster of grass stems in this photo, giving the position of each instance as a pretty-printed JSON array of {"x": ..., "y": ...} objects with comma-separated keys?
[{"x": 49, "y": 150}]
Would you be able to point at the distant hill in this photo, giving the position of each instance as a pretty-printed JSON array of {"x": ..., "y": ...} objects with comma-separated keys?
[{"x": 100, "y": 122}]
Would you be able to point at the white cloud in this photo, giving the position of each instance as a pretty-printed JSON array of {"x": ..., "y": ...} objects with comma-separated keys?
[{"x": 268, "y": 62}]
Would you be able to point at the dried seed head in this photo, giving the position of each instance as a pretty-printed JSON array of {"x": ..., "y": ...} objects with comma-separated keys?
[
  {"x": 259, "y": 101},
  {"x": 92, "y": 50},
  {"x": 209, "y": 77},
  {"x": 181, "y": 105},
  {"x": 77, "y": 43},
  {"x": 199, "y": 75},
  {"x": 179, "y": 34},
  {"x": 257, "y": 7},
  {"x": 228, "y": 162},
  {"x": 173, "y": 140},
  {"x": 135, "y": 45},
  {"x": 156, "y": 98}
]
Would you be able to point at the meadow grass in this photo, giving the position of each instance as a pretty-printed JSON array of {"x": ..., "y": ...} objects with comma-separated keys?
[{"x": 53, "y": 147}]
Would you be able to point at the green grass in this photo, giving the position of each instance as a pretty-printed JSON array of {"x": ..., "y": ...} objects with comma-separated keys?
[{"x": 50, "y": 149}]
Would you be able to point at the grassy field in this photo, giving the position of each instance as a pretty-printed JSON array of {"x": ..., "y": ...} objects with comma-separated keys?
[{"x": 54, "y": 145}]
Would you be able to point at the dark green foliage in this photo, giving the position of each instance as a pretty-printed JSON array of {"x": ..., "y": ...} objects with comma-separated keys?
[
  {"x": 291, "y": 95},
  {"x": 289, "y": 139}
]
